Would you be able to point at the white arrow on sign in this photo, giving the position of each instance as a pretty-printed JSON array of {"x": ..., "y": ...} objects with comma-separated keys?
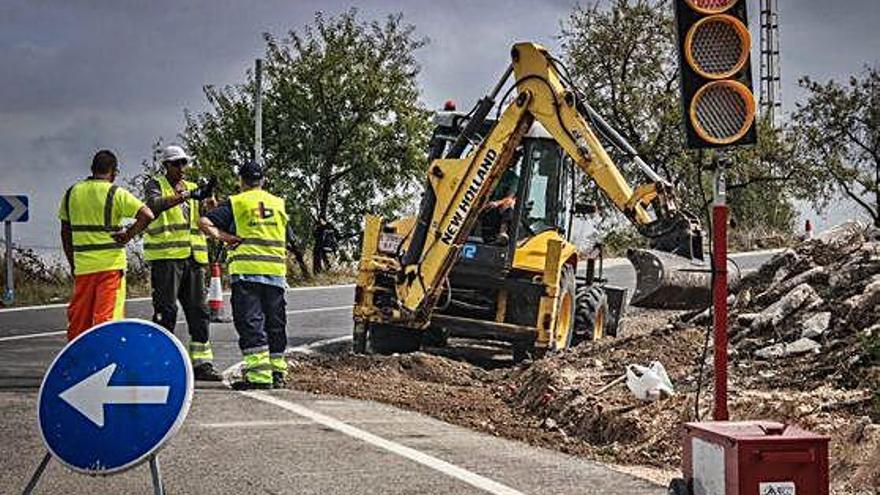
[
  {"x": 18, "y": 208},
  {"x": 91, "y": 394}
]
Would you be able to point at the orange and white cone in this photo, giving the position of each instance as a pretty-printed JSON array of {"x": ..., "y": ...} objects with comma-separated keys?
[{"x": 215, "y": 296}]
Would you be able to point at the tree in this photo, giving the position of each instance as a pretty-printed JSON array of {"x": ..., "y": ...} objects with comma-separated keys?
[
  {"x": 837, "y": 136},
  {"x": 622, "y": 56},
  {"x": 344, "y": 132}
]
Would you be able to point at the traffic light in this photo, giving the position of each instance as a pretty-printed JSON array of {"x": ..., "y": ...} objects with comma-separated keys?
[{"x": 716, "y": 74}]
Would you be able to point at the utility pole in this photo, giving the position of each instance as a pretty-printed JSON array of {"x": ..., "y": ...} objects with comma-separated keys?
[
  {"x": 771, "y": 88},
  {"x": 258, "y": 111}
]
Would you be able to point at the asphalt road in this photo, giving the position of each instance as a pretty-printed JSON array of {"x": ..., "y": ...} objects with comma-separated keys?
[{"x": 289, "y": 442}]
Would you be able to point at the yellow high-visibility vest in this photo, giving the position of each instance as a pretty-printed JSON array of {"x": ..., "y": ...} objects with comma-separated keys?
[
  {"x": 261, "y": 222},
  {"x": 94, "y": 208},
  {"x": 170, "y": 236}
]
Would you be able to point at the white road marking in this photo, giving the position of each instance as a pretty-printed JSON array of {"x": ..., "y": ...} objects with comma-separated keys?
[
  {"x": 33, "y": 335},
  {"x": 64, "y": 332},
  {"x": 140, "y": 299},
  {"x": 310, "y": 347},
  {"x": 318, "y": 310},
  {"x": 294, "y": 422},
  {"x": 471, "y": 478}
]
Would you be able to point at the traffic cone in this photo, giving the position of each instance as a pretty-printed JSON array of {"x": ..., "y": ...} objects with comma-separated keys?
[{"x": 215, "y": 296}]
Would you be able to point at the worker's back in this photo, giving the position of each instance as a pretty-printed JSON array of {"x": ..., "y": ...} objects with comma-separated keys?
[
  {"x": 95, "y": 209},
  {"x": 261, "y": 223}
]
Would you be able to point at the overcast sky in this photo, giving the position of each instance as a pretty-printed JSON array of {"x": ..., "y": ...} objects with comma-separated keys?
[{"x": 81, "y": 75}]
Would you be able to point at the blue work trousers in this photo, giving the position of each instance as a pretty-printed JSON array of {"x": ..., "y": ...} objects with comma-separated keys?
[{"x": 258, "y": 311}]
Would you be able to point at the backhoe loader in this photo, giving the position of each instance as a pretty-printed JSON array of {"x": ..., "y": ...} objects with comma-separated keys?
[{"x": 423, "y": 279}]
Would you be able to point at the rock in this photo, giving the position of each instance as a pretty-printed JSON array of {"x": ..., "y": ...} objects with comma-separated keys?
[
  {"x": 746, "y": 319},
  {"x": 550, "y": 424},
  {"x": 789, "y": 257},
  {"x": 700, "y": 318},
  {"x": 800, "y": 346},
  {"x": 865, "y": 301},
  {"x": 816, "y": 325},
  {"x": 815, "y": 275},
  {"x": 743, "y": 299},
  {"x": 845, "y": 234},
  {"x": 800, "y": 296}
]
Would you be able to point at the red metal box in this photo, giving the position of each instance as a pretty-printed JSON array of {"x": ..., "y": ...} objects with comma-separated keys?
[{"x": 754, "y": 458}]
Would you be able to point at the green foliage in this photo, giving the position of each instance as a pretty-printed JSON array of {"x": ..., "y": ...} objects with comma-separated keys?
[
  {"x": 617, "y": 240},
  {"x": 622, "y": 55},
  {"x": 837, "y": 137},
  {"x": 343, "y": 130}
]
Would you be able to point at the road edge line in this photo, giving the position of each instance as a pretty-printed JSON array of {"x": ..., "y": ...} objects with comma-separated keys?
[
  {"x": 427, "y": 460},
  {"x": 141, "y": 299}
]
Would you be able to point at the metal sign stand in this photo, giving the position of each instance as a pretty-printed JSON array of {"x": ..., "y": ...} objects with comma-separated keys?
[
  {"x": 9, "y": 293},
  {"x": 155, "y": 474},
  {"x": 37, "y": 475}
]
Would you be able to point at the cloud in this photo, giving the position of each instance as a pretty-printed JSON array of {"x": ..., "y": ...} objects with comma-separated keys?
[{"x": 83, "y": 74}]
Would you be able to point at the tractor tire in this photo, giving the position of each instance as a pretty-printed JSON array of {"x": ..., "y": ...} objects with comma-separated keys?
[
  {"x": 435, "y": 337},
  {"x": 566, "y": 310},
  {"x": 591, "y": 314},
  {"x": 389, "y": 339},
  {"x": 359, "y": 338}
]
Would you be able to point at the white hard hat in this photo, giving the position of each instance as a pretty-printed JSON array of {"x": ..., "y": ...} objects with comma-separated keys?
[{"x": 173, "y": 153}]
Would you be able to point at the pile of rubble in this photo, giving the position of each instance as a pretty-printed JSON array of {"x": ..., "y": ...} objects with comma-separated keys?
[
  {"x": 805, "y": 349},
  {"x": 821, "y": 299}
]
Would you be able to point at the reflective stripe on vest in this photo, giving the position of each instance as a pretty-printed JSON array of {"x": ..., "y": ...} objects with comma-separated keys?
[
  {"x": 170, "y": 236},
  {"x": 89, "y": 208},
  {"x": 261, "y": 222}
]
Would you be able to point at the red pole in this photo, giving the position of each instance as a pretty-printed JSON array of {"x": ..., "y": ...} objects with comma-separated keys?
[{"x": 719, "y": 237}]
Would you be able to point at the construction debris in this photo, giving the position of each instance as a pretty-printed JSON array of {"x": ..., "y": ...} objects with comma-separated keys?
[{"x": 805, "y": 349}]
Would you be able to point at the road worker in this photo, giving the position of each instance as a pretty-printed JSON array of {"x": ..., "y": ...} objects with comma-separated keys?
[
  {"x": 94, "y": 240},
  {"x": 177, "y": 253},
  {"x": 254, "y": 224}
]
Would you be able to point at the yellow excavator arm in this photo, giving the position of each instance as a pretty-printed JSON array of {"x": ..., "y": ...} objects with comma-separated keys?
[{"x": 459, "y": 187}]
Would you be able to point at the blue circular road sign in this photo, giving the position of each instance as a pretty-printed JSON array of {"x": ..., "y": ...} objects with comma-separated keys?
[{"x": 114, "y": 395}]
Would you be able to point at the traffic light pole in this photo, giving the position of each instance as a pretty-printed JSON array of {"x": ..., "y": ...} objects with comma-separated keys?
[{"x": 719, "y": 290}]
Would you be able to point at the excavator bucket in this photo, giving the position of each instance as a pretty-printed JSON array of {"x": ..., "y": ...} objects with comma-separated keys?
[{"x": 668, "y": 281}]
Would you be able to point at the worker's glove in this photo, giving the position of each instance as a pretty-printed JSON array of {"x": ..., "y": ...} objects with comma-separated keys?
[{"x": 204, "y": 191}]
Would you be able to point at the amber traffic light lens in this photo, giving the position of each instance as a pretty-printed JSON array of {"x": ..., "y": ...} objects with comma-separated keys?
[
  {"x": 722, "y": 111},
  {"x": 710, "y": 6},
  {"x": 717, "y": 47}
]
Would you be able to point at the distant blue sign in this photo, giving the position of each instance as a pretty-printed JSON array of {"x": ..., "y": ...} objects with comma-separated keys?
[
  {"x": 469, "y": 251},
  {"x": 114, "y": 395},
  {"x": 13, "y": 208}
]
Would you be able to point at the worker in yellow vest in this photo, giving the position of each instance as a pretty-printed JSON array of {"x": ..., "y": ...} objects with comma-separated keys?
[
  {"x": 91, "y": 215},
  {"x": 177, "y": 253},
  {"x": 254, "y": 224}
]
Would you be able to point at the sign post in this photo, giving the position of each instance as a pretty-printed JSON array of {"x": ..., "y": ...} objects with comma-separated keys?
[
  {"x": 12, "y": 209},
  {"x": 719, "y": 245},
  {"x": 112, "y": 398}
]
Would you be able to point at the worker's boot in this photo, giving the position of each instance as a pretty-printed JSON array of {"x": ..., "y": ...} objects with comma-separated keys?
[
  {"x": 279, "y": 379},
  {"x": 205, "y": 372},
  {"x": 246, "y": 385}
]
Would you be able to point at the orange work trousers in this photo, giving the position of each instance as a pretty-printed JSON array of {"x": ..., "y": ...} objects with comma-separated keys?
[{"x": 97, "y": 297}]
